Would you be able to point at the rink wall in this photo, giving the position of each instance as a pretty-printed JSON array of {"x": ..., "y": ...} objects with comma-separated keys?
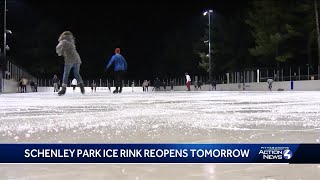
[
  {"x": 311, "y": 85},
  {"x": 10, "y": 86},
  {"x": 99, "y": 89}
]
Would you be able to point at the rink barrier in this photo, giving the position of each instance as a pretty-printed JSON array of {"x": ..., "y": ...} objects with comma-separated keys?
[
  {"x": 10, "y": 86},
  {"x": 99, "y": 89},
  {"x": 311, "y": 85}
]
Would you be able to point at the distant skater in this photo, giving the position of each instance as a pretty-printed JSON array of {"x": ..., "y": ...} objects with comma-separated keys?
[
  {"x": 171, "y": 85},
  {"x": 132, "y": 85},
  {"x": 164, "y": 85},
  {"x": 214, "y": 85},
  {"x": 93, "y": 87},
  {"x": 109, "y": 86},
  {"x": 24, "y": 83},
  {"x": 74, "y": 84},
  {"x": 270, "y": 82},
  {"x": 188, "y": 81},
  {"x": 55, "y": 82},
  {"x": 144, "y": 85},
  {"x": 147, "y": 85},
  {"x": 199, "y": 85}
]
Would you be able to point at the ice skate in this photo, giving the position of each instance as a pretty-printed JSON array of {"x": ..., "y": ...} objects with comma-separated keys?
[
  {"x": 62, "y": 91},
  {"x": 82, "y": 88}
]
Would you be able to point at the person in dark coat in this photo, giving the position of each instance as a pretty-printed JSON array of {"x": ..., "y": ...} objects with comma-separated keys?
[
  {"x": 35, "y": 87},
  {"x": 214, "y": 85},
  {"x": 32, "y": 86},
  {"x": 93, "y": 87},
  {"x": 55, "y": 82},
  {"x": 157, "y": 84},
  {"x": 164, "y": 85},
  {"x": 199, "y": 84},
  {"x": 171, "y": 84}
]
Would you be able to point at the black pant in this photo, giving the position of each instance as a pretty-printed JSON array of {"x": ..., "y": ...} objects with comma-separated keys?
[
  {"x": 118, "y": 79},
  {"x": 23, "y": 88}
]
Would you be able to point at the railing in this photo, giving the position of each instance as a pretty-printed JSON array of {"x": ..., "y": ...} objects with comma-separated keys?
[
  {"x": 102, "y": 82},
  {"x": 16, "y": 73},
  {"x": 246, "y": 76},
  {"x": 262, "y": 75}
]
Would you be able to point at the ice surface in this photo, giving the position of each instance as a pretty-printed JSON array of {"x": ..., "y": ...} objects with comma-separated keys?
[{"x": 161, "y": 117}]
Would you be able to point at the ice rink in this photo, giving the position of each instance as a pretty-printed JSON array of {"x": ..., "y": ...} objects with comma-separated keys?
[{"x": 161, "y": 117}]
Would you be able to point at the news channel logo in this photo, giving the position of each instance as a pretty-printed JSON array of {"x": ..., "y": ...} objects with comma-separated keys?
[{"x": 274, "y": 153}]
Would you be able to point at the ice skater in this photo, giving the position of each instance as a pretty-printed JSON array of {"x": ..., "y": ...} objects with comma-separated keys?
[
  {"x": 24, "y": 83},
  {"x": 94, "y": 87},
  {"x": 214, "y": 85},
  {"x": 270, "y": 81},
  {"x": 195, "y": 85},
  {"x": 188, "y": 81},
  {"x": 67, "y": 49},
  {"x": 243, "y": 83},
  {"x": 171, "y": 85},
  {"x": 32, "y": 86},
  {"x": 109, "y": 85},
  {"x": 74, "y": 84},
  {"x": 147, "y": 85},
  {"x": 120, "y": 66},
  {"x": 35, "y": 87},
  {"x": 144, "y": 85},
  {"x": 55, "y": 82},
  {"x": 164, "y": 85},
  {"x": 132, "y": 85},
  {"x": 156, "y": 85},
  {"x": 199, "y": 84}
]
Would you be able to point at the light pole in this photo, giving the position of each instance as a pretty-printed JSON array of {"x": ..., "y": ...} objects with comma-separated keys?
[
  {"x": 209, "y": 42},
  {"x": 5, "y": 31},
  {"x": 318, "y": 34}
]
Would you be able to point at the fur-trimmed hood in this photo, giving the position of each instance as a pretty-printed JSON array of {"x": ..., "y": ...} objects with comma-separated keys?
[
  {"x": 67, "y": 35},
  {"x": 67, "y": 48}
]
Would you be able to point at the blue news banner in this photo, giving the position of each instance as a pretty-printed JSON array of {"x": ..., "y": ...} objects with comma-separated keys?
[{"x": 159, "y": 153}]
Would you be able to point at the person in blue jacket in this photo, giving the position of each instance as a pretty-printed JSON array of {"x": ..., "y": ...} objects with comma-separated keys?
[{"x": 120, "y": 66}]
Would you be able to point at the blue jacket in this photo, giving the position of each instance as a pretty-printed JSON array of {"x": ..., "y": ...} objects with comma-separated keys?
[{"x": 120, "y": 64}]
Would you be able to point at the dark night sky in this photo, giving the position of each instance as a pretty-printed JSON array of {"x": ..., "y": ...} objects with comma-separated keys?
[{"x": 148, "y": 32}]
